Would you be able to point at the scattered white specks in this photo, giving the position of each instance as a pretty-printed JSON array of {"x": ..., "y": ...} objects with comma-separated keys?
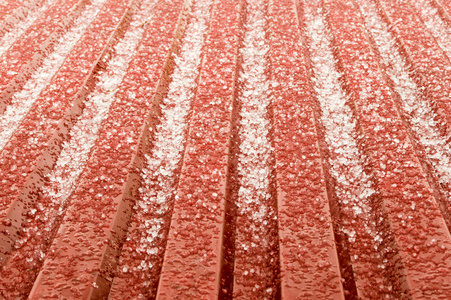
[
  {"x": 353, "y": 187},
  {"x": 23, "y": 100},
  {"x": 19, "y": 22},
  {"x": 158, "y": 174},
  {"x": 434, "y": 23},
  {"x": 85, "y": 132},
  {"x": 63, "y": 178},
  {"x": 255, "y": 155},
  {"x": 255, "y": 97},
  {"x": 422, "y": 118}
]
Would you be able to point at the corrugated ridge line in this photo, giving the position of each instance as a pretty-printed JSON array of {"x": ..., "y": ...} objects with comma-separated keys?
[
  {"x": 347, "y": 275},
  {"x": 21, "y": 16},
  {"x": 143, "y": 251},
  {"x": 27, "y": 53},
  {"x": 309, "y": 262},
  {"x": 22, "y": 101},
  {"x": 47, "y": 126},
  {"x": 196, "y": 259},
  {"x": 7, "y": 8},
  {"x": 99, "y": 211},
  {"x": 32, "y": 247},
  {"x": 355, "y": 210},
  {"x": 414, "y": 88},
  {"x": 415, "y": 210},
  {"x": 257, "y": 268}
]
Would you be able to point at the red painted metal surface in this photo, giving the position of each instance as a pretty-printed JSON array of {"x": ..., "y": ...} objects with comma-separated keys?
[
  {"x": 445, "y": 7},
  {"x": 100, "y": 205},
  {"x": 7, "y": 8},
  {"x": 13, "y": 12},
  {"x": 305, "y": 224},
  {"x": 403, "y": 188},
  {"x": 27, "y": 53},
  {"x": 248, "y": 149},
  {"x": 424, "y": 54},
  {"x": 194, "y": 256},
  {"x": 430, "y": 70},
  {"x": 29, "y": 164}
]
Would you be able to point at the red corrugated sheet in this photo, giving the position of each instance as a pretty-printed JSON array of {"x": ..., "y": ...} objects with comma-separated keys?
[{"x": 225, "y": 149}]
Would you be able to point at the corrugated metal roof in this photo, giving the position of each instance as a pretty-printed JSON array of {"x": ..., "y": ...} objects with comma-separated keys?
[{"x": 249, "y": 149}]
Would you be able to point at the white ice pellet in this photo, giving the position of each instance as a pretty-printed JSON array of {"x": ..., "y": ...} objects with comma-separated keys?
[
  {"x": 435, "y": 25},
  {"x": 63, "y": 177}
]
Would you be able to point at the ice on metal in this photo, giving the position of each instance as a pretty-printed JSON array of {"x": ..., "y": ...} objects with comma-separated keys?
[
  {"x": 159, "y": 171},
  {"x": 354, "y": 187},
  {"x": 84, "y": 133},
  {"x": 434, "y": 23},
  {"x": 255, "y": 155},
  {"x": 23, "y": 100},
  {"x": 422, "y": 118},
  {"x": 62, "y": 180},
  {"x": 21, "y": 24}
]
